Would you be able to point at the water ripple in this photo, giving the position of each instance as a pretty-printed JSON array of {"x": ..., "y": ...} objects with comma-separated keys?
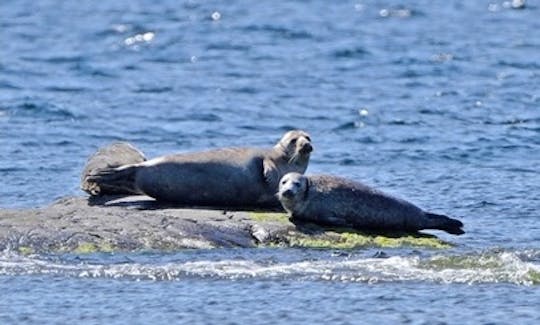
[
  {"x": 65, "y": 89},
  {"x": 55, "y": 59},
  {"x": 153, "y": 89},
  {"x": 40, "y": 109},
  {"x": 284, "y": 32},
  {"x": 357, "y": 52}
]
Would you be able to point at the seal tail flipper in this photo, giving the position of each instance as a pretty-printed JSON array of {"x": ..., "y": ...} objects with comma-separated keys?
[
  {"x": 441, "y": 222},
  {"x": 97, "y": 176},
  {"x": 119, "y": 180}
]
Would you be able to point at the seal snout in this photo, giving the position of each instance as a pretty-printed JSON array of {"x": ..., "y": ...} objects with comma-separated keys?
[
  {"x": 305, "y": 147},
  {"x": 288, "y": 193}
]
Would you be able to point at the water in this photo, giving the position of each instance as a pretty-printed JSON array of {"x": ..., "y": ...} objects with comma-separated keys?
[{"x": 436, "y": 102}]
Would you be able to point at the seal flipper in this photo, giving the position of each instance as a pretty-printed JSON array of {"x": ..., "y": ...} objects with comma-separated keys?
[
  {"x": 270, "y": 173},
  {"x": 119, "y": 180},
  {"x": 442, "y": 222},
  {"x": 104, "y": 161}
]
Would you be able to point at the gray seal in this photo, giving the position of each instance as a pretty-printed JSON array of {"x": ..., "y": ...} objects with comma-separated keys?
[
  {"x": 336, "y": 201},
  {"x": 228, "y": 177}
]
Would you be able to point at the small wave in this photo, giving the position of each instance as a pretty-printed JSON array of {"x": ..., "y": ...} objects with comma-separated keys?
[
  {"x": 444, "y": 93},
  {"x": 348, "y": 162},
  {"x": 8, "y": 85},
  {"x": 409, "y": 73},
  {"x": 280, "y": 31},
  {"x": 89, "y": 70},
  {"x": 491, "y": 267},
  {"x": 481, "y": 204},
  {"x": 415, "y": 140},
  {"x": 12, "y": 169},
  {"x": 407, "y": 61},
  {"x": 357, "y": 52},
  {"x": 513, "y": 121},
  {"x": 519, "y": 65},
  {"x": 151, "y": 89},
  {"x": 245, "y": 90},
  {"x": 399, "y": 12},
  {"x": 400, "y": 122},
  {"x": 203, "y": 117},
  {"x": 115, "y": 29},
  {"x": 65, "y": 89},
  {"x": 40, "y": 109},
  {"x": 347, "y": 126},
  {"x": 55, "y": 59},
  {"x": 228, "y": 47}
]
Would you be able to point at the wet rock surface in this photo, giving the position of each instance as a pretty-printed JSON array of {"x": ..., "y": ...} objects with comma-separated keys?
[{"x": 79, "y": 224}]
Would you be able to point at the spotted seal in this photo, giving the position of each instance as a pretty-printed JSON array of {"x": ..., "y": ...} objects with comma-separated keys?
[
  {"x": 227, "y": 177},
  {"x": 336, "y": 201}
]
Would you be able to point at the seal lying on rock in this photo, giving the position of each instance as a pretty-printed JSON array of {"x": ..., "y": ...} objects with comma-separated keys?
[
  {"x": 230, "y": 177},
  {"x": 336, "y": 201}
]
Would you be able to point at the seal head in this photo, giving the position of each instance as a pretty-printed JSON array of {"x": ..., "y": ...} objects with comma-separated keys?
[
  {"x": 296, "y": 145},
  {"x": 290, "y": 154},
  {"x": 293, "y": 191}
]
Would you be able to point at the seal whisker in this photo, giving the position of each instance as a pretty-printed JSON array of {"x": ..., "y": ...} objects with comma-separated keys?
[{"x": 293, "y": 159}]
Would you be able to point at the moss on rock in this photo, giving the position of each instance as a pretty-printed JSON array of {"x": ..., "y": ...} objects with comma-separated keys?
[
  {"x": 349, "y": 239},
  {"x": 269, "y": 217},
  {"x": 87, "y": 248},
  {"x": 534, "y": 277},
  {"x": 25, "y": 250}
]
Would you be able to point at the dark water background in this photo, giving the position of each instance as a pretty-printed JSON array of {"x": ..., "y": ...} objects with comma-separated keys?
[{"x": 434, "y": 101}]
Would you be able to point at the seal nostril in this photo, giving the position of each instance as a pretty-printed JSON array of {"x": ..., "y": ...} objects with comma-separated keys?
[
  {"x": 306, "y": 148},
  {"x": 288, "y": 193}
]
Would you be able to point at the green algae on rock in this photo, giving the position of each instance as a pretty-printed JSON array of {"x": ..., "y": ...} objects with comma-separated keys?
[
  {"x": 269, "y": 216},
  {"x": 86, "y": 248},
  {"x": 534, "y": 277},
  {"x": 25, "y": 250},
  {"x": 350, "y": 239}
]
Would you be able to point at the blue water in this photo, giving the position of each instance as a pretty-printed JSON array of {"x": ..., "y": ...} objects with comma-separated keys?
[{"x": 434, "y": 101}]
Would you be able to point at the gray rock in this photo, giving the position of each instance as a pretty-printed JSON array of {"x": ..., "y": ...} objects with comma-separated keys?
[
  {"x": 83, "y": 225},
  {"x": 129, "y": 223}
]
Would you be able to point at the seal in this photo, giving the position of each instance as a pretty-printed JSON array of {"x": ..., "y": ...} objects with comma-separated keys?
[
  {"x": 335, "y": 201},
  {"x": 227, "y": 177}
]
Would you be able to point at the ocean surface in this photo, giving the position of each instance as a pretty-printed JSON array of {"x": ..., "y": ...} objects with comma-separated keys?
[{"x": 437, "y": 102}]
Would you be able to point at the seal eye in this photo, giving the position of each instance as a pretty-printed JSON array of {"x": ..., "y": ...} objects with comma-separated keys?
[
  {"x": 293, "y": 141},
  {"x": 308, "y": 138}
]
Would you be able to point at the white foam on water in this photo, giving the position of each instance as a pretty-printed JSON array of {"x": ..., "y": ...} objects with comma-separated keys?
[{"x": 494, "y": 267}]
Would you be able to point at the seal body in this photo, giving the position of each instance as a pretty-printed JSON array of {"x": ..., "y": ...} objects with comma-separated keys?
[
  {"x": 229, "y": 177},
  {"x": 336, "y": 201}
]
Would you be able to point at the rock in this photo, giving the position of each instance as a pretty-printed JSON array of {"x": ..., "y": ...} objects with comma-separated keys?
[{"x": 104, "y": 224}]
